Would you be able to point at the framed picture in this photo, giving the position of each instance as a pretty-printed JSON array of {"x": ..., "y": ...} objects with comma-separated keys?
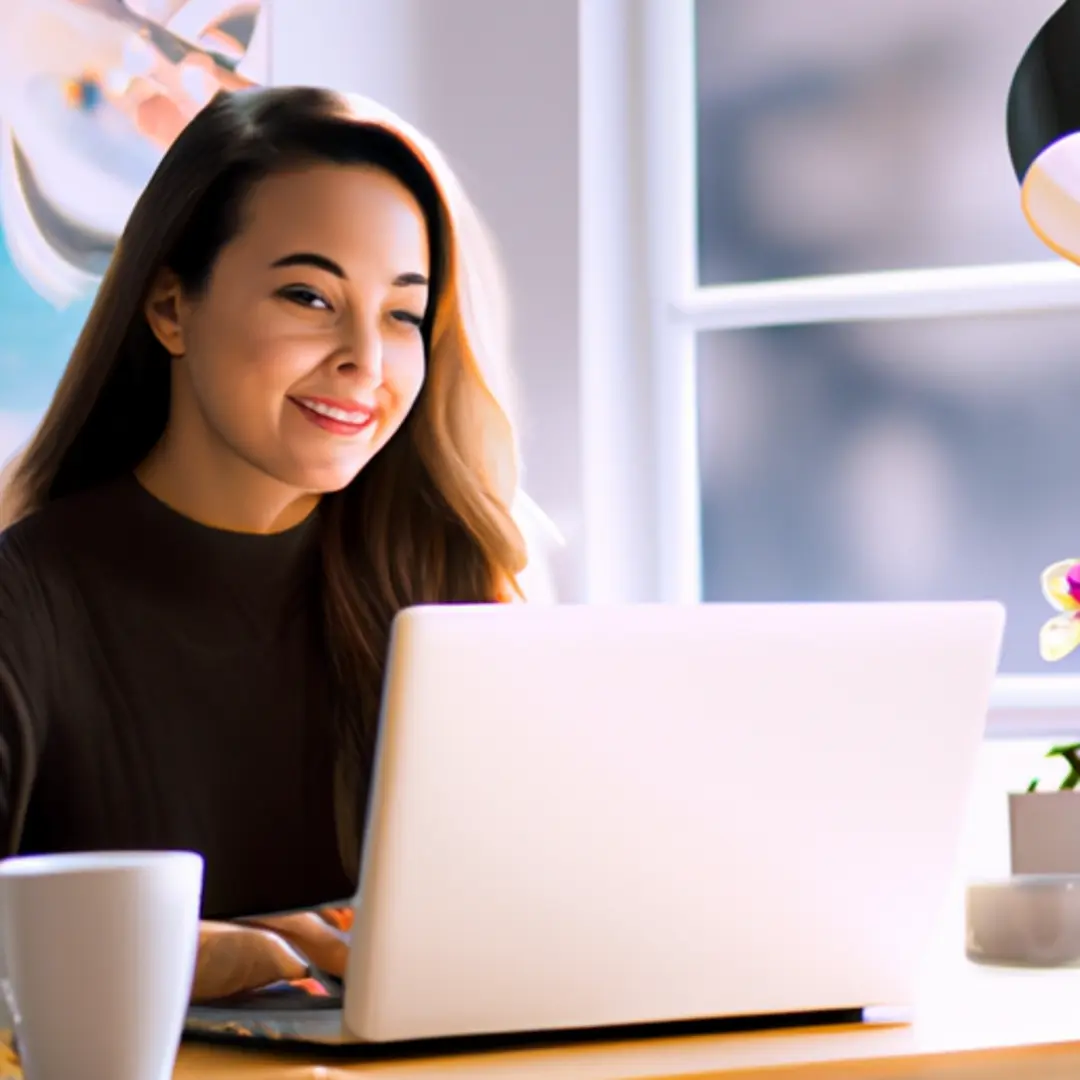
[{"x": 92, "y": 93}]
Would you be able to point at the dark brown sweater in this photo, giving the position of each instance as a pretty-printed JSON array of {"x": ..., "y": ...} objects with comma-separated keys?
[{"x": 176, "y": 694}]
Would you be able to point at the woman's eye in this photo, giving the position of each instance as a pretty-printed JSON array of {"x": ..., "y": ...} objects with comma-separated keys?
[
  {"x": 305, "y": 297},
  {"x": 409, "y": 317}
]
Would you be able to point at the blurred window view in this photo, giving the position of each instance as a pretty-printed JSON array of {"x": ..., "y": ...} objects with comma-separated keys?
[
  {"x": 921, "y": 459},
  {"x": 840, "y": 135}
]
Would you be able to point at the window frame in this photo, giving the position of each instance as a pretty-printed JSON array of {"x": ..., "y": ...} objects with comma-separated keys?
[{"x": 1022, "y": 706}]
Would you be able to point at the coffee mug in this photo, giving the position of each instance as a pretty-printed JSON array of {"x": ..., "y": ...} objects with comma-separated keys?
[{"x": 98, "y": 955}]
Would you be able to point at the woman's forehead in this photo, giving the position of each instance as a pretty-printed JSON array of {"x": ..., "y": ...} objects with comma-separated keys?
[{"x": 352, "y": 210}]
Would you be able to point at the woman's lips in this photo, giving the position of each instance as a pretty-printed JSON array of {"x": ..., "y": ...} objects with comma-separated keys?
[{"x": 337, "y": 417}]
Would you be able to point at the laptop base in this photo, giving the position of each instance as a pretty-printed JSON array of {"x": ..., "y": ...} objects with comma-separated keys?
[{"x": 299, "y": 1030}]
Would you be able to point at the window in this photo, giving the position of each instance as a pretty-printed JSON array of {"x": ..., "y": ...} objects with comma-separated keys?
[
  {"x": 841, "y": 136},
  {"x": 890, "y": 460},
  {"x": 865, "y": 366}
]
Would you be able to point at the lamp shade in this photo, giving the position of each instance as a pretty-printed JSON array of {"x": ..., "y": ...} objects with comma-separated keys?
[{"x": 1043, "y": 125}]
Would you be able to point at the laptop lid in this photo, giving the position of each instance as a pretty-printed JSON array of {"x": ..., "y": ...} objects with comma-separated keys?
[{"x": 595, "y": 816}]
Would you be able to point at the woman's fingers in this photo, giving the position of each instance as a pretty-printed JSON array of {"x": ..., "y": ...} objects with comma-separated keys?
[
  {"x": 323, "y": 944},
  {"x": 253, "y": 953},
  {"x": 234, "y": 958},
  {"x": 341, "y": 918}
]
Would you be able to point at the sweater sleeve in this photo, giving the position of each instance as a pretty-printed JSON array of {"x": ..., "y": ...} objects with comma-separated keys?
[{"x": 24, "y": 680}]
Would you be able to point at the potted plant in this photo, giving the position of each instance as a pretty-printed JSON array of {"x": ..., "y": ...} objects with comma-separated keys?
[{"x": 1044, "y": 826}]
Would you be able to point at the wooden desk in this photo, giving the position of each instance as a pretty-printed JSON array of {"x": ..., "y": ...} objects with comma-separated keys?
[
  {"x": 848, "y": 1054},
  {"x": 759, "y": 1058},
  {"x": 971, "y": 1024}
]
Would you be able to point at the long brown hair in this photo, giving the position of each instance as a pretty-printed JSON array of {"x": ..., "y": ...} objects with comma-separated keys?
[{"x": 427, "y": 520}]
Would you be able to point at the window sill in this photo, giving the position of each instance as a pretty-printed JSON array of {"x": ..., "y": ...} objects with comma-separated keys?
[{"x": 1034, "y": 706}]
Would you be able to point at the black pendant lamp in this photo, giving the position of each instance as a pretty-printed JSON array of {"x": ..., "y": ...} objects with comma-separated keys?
[{"x": 1043, "y": 124}]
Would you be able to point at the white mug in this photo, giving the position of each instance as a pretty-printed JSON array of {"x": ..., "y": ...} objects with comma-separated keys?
[{"x": 98, "y": 953}]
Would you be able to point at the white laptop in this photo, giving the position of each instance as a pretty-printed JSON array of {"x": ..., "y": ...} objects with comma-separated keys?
[{"x": 591, "y": 817}]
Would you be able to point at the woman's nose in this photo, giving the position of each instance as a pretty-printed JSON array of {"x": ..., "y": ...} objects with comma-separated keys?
[{"x": 364, "y": 357}]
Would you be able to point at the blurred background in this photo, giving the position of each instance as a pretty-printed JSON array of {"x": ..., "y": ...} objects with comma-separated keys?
[
  {"x": 916, "y": 459},
  {"x": 876, "y": 460},
  {"x": 92, "y": 92}
]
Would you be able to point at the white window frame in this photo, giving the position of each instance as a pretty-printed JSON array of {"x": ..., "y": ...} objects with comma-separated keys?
[{"x": 679, "y": 309}]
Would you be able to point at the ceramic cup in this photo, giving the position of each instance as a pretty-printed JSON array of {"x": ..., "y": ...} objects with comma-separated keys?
[{"x": 97, "y": 953}]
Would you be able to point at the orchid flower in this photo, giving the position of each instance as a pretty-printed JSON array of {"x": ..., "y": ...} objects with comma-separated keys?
[{"x": 1061, "y": 587}]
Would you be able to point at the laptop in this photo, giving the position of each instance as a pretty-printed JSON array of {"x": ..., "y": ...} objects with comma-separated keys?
[{"x": 589, "y": 817}]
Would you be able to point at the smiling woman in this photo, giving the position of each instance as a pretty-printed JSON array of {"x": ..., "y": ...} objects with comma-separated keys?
[
  {"x": 312, "y": 322},
  {"x": 274, "y": 433}
]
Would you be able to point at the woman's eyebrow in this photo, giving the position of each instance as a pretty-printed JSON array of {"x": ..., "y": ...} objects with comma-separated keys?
[
  {"x": 322, "y": 262},
  {"x": 309, "y": 258}
]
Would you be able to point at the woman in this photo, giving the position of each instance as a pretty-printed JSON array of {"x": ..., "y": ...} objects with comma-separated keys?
[{"x": 274, "y": 432}]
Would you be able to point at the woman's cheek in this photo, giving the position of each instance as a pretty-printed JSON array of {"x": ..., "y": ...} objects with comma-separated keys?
[{"x": 411, "y": 381}]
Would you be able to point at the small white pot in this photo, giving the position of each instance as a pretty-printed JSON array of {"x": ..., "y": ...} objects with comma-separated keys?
[{"x": 1044, "y": 832}]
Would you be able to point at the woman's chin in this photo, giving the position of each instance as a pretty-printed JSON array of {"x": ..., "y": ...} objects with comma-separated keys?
[{"x": 324, "y": 480}]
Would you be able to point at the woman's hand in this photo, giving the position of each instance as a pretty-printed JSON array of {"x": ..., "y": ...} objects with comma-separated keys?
[
  {"x": 234, "y": 957},
  {"x": 311, "y": 934}
]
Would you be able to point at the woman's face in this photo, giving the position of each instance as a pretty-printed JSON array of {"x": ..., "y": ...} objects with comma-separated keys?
[{"x": 303, "y": 354}]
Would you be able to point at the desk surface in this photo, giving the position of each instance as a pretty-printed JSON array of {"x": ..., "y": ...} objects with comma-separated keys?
[
  {"x": 970, "y": 1023},
  {"x": 846, "y": 1054},
  {"x": 756, "y": 1058}
]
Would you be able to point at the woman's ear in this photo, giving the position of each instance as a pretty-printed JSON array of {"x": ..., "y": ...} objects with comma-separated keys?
[{"x": 164, "y": 310}]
